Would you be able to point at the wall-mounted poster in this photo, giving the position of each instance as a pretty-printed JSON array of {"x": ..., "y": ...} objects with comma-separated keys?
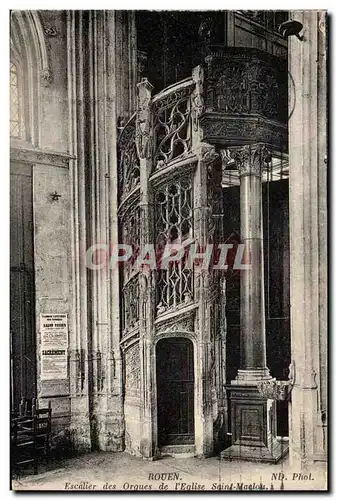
[
  {"x": 54, "y": 346},
  {"x": 53, "y": 364}
]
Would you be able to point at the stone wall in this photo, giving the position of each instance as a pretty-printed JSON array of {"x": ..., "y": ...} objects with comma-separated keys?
[
  {"x": 308, "y": 239},
  {"x": 81, "y": 67}
]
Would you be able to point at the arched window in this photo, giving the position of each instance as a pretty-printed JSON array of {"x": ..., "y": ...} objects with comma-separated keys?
[
  {"x": 17, "y": 120},
  {"x": 29, "y": 71}
]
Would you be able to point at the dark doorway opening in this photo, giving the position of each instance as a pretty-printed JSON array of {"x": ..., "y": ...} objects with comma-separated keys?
[
  {"x": 22, "y": 303},
  {"x": 175, "y": 391}
]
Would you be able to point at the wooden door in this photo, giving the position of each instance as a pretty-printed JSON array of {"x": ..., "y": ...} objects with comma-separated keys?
[
  {"x": 22, "y": 321},
  {"x": 175, "y": 391}
]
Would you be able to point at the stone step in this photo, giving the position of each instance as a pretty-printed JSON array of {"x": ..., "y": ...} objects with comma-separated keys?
[{"x": 178, "y": 449}]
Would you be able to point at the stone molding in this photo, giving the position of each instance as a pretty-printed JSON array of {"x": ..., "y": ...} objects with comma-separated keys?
[
  {"x": 44, "y": 157},
  {"x": 178, "y": 322},
  {"x": 227, "y": 130}
]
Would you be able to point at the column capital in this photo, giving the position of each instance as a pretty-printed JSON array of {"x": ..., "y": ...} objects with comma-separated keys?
[{"x": 249, "y": 159}]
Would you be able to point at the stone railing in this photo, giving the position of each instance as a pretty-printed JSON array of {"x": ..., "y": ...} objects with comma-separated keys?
[
  {"x": 240, "y": 96},
  {"x": 172, "y": 130},
  {"x": 128, "y": 164}
]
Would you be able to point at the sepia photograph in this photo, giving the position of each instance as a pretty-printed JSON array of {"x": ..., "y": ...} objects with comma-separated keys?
[{"x": 168, "y": 250}]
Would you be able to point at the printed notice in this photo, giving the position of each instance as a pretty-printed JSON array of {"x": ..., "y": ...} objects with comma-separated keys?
[
  {"x": 54, "y": 346},
  {"x": 54, "y": 331},
  {"x": 53, "y": 364}
]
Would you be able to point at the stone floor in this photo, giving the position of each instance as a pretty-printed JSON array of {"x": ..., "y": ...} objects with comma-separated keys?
[{"x": 122, "y": 472}]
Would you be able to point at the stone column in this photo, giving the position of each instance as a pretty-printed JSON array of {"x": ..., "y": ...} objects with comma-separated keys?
[
  {"x": 107, "y": 370},
  {"x": 205, "y": 361},
  {"x": 253, "y": 417},
  {"x": 80, "y": 429},
  {"x": 250, "y": 161},
  {"x": 308, "y": 241},
  {"x": 97, "y": 419},
  {"x": 146, "y": 316}
]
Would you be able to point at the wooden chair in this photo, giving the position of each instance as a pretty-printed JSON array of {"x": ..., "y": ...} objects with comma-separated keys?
[
  {"x": 30, "y": 435},
  {"x": 43, "y": 429},
  {"x": 23, "y": 441},
  {"x": 23, "y": 408}
]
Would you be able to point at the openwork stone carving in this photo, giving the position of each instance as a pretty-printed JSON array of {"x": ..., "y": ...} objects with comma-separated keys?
[
  {"x": 172, "y": 128},
  {"x": 130, "y": 232},
  {"x": 174, "y": 224},
  {"x": 129, "y": 167}
]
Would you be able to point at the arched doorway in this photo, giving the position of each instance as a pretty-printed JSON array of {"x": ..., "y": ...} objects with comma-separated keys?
[{"x": 175, "y": 391}]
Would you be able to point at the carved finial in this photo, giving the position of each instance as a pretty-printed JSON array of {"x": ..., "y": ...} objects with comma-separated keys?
[{"x": 143, "y": 121}]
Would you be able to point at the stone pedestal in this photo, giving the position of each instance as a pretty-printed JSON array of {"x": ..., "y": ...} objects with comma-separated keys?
[
  {"x": 253, "y": 418},
  {"x": 253, "y": 427}
]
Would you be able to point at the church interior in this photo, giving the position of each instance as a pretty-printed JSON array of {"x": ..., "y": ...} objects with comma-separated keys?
[{"x": 147, "y": 128}]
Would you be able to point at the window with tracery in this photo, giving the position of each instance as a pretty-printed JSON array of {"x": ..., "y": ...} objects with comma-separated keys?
[
  {"x": 17, "y": 127},
  {"x": 174, "y": 224}
]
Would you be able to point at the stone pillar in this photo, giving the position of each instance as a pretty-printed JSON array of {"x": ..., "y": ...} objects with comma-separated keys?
[
  {"x": 97, "y": 419},
  {"x": 308, "y": 240},
  {"x": 204, "y": 356},
  {"x": 78, "y": 328},
  {"x": 146, "y": 281},
  {"x": 250, "y": 161},
  {"x": 253, "y": 418},
  {"x": 108, "y": 419}
]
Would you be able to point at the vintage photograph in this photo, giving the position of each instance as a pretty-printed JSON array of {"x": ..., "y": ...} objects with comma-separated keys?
[{"x": 168, "y": 250}]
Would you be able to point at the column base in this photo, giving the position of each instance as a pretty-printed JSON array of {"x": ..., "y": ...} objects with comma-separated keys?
[
  {"x": 253, "y": 426},
  {"x": 251, "y": 377},
  {"x": 278, "y": 449}
]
